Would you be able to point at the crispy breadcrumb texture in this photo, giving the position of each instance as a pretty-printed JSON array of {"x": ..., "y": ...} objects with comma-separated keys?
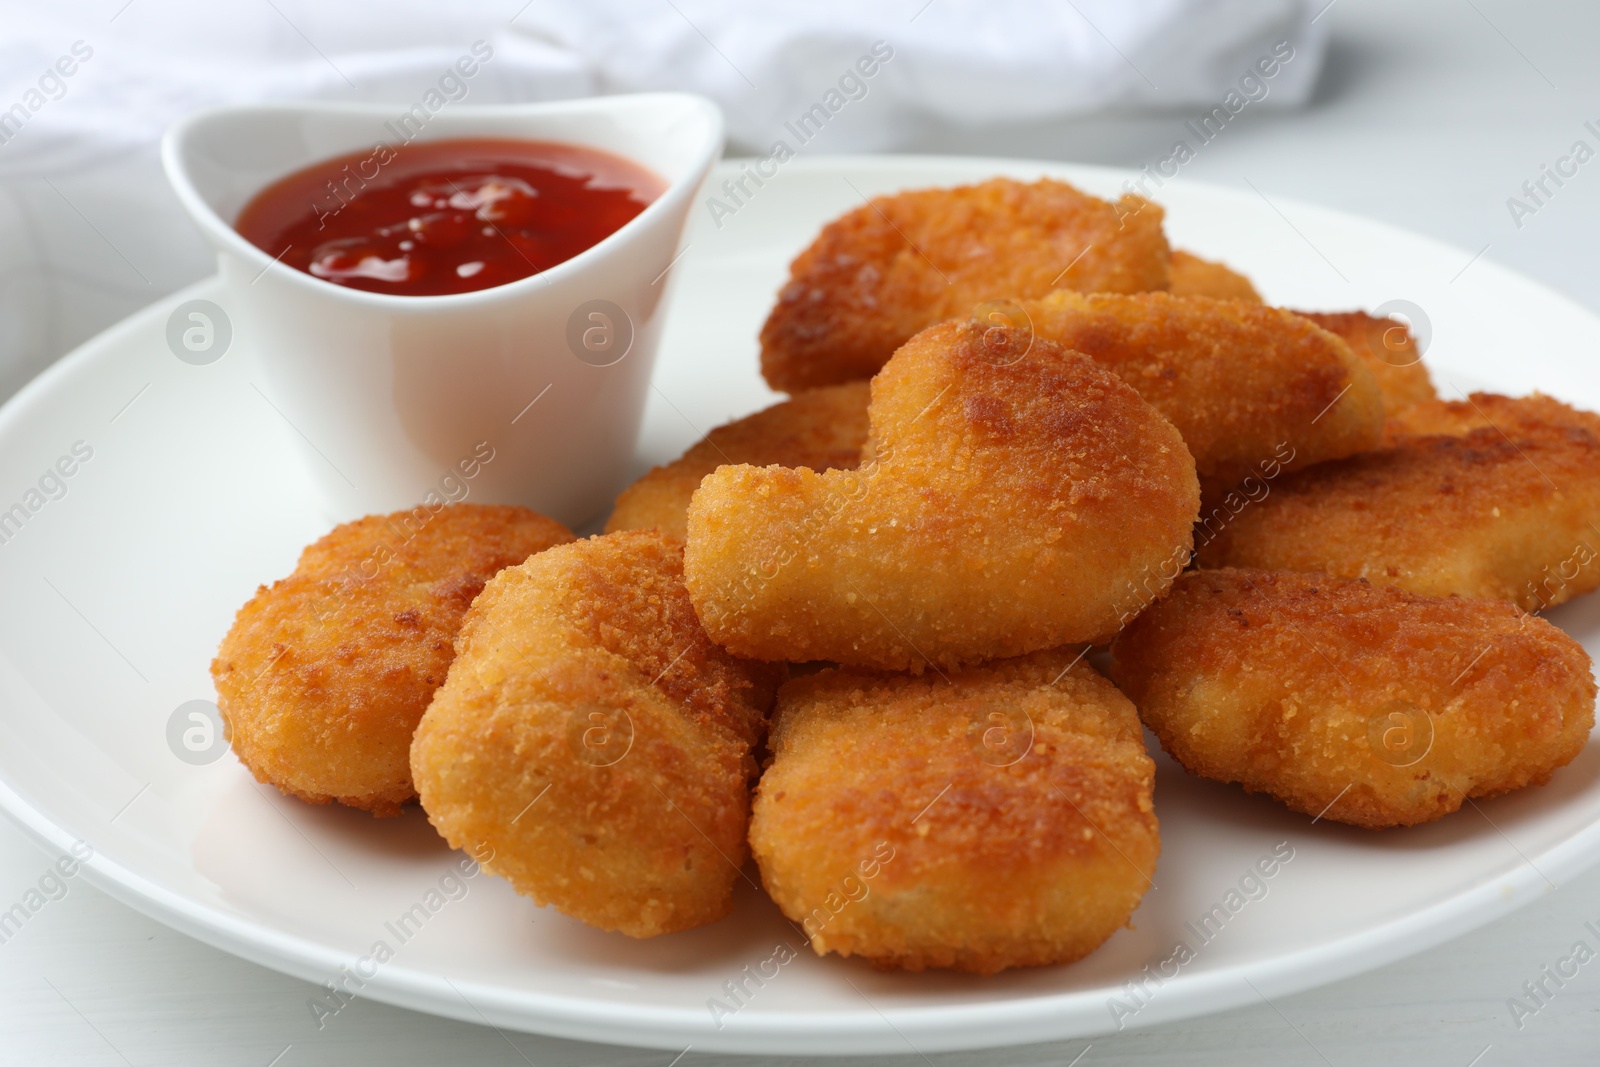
[
  {"x": 1509, "y": 511},
  {"x": 898, "y": 264},
  {"x": 1389, "y": 350},
  {"x": 1485, "y": 411},
  {"x": 323, "y": 677},
  {"x": 1015, "y": 498},
  {"x": 592, "y": 745},
  {"x": 1242, "y": 383},
  {"x": 1000, "y": 817},
  {"x": 823, "y": 429},
  {"x": 1354, "y": 702},
  {"x": 1193, "y": 276}
]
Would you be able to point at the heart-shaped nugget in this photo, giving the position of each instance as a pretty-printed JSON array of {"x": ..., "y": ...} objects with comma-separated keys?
[{"x": 1013, "y": 495}]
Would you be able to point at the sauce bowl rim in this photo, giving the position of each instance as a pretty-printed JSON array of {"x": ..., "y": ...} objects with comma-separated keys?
[{"x": 177, "y": 141}]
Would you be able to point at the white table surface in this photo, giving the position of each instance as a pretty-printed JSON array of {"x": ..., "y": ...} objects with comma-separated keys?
[{"x": 1429, "y": 115}]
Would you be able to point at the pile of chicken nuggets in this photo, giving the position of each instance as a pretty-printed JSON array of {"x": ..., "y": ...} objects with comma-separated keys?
[{"x": 1040, "y": 482}]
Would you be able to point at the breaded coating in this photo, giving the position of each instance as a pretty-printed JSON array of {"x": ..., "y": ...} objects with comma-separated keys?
[
  {"x": 1358, "y": 703},
  {"x": 324, "y": 675},
  {"x": 1000, "y": 818},
  {"x": 1192, "y": 276},
  {"x": 1241, "y": 382},
  {"x": 1389, "y": 350},
  {"x": 1481, "y": 410},
  {"x": 878, "y": 274},
  {"x": 819, "y": 428},
  {"x": 1014, "y": 495},
  {"x": 595, "y": 742},
  {"x": 1508, "y": 513}
]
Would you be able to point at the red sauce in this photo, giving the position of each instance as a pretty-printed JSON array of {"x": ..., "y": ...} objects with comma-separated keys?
[{"x": 438, "y": 217}]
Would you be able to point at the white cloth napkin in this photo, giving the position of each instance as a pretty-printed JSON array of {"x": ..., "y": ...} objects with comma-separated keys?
[
  {"x": 954, "y": 61},
  {"x": 88, "y": 231}
]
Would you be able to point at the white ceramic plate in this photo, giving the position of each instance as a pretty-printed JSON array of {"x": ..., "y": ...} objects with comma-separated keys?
[{"x": 116, "y": 592}]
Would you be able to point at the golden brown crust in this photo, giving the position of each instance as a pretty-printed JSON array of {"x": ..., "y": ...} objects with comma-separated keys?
[
  {"x": 820, "y": 428},
  {"x": 882, "y": 272},
  {"x": 594, "y": 742},
  {"x": 1000, "y": 818},
  {"x": 1241, "y": 382},
  {"x": 1510, "y": 513},
  {"x": 1363, "y": 704},
  {"x": 1389, "y": 350},
  {"x": 1014, "y": 500},
  {"x": 323, "y": 677},
  {"x": 1193, "y": 276},
  {"x": 1480, "y": 410}
]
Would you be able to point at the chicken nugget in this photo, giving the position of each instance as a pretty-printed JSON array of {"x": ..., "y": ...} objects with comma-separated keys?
[
  {"x": 1242, "y": 383},
  {"x": 998, "y": 818},
  {"x": 819, "y": 428},
  {"x": 1509, "y": 513},
  {"x": 1013, "y": 494},
  {"x": 1193, "y": 276},
  {"x": 880, "y": 273},
  {"x": 1480, "y": 410},
  {"x": 1353, "y": 702},
  {"x": 324, "y": 675},
  {"x": 593, "y": 740},
  {"x": 1389, "y": 350}
]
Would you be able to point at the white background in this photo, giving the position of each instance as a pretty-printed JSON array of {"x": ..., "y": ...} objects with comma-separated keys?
[{"x": 1429, "y": 115}]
